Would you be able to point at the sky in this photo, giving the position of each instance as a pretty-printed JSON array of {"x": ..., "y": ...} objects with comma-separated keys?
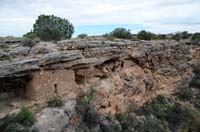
[{"x": 96, "y": 17}]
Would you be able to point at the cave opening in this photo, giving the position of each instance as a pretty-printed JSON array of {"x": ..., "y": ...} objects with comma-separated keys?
[
  {"x": 14, "y": 86},
  {"x": 13, "y": 93}
]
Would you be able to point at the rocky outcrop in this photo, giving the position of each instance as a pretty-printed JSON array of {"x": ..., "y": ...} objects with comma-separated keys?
[
  {"x": 121, "y": 74},
  {"x": 55, "y": 119},
  {"x": 82, "y": 54}
]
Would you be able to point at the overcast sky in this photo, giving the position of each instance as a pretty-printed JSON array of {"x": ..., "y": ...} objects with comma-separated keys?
[{"x": 99, "y": 16}]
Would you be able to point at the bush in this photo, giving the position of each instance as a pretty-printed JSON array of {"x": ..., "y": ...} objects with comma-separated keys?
[
  {"x": 91, "y": 119},
  {"x": 55, "y": 102},
  {"x": 50, "y": 27},
  {"x": 25, "y": 117},
  {"x": 185, "y": 94},
  {"x": 82, "y": 36},
  {"x": 181, "y": 35},
  {"x": 26, "y": 41},
  {"x": 152, "y": 124},
  {"x": 20, "y": 122},
  {"x": 121, "y": 33},
  {"x": 29, "y": 42},
  {"x": 134, "y": 38},
  {"x": 109, "y": 37},
  {"x": 30, "y": 35},
  {"x": 4, "y": 46},
  {"x": 196, "y": 38},
  {"x": 144, "y": 35},
  {"x": 162, "y": 36},
  {"x": 185, "y": 35},
  {"x": 176, "y": 114}
]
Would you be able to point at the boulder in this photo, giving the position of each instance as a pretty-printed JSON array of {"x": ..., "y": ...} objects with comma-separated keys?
[{"x": 51, "y": 120}]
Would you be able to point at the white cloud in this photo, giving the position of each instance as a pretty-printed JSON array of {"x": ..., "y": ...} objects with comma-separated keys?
[{"x": 18, "y": 16}]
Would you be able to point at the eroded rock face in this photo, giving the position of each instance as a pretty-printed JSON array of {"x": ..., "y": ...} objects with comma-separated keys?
[
  {"x": 51, "y": 120},
  {"x": 122, "y": 73},
  {"x": 55, "y": 119}
]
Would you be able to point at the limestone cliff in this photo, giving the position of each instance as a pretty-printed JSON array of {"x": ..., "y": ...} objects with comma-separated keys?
[{"x": 119, "y": 73}]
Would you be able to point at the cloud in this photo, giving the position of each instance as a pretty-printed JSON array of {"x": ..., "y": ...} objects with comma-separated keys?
[{"x": 161, "y": 16}]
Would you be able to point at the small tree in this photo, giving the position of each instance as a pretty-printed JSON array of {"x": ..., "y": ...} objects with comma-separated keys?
[
  {"x": 50, "y": 27},
  {"x": 121, "y": 33},
  {"x": 181, "y": 35},
  {"x": 82, "y": 36},
  {"x": 145, "y": 35}
]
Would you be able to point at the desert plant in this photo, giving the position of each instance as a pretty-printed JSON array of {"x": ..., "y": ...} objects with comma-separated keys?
[
  {"x": 121, "y": 33},
  {"x": 56, "y": 101},
  {"x": 196, "y": 39},
  {"x": 162, "y": 36},
  {"x": 108, "y": 36},
  {"x": 20, "y": 122},
  {"x": 145, "y": 35},
  {"x": 4, "y": 46},
  {"x": 134, "y": 37},
  {"x": 181, "y": 35},
  {"x": 82, "y": 36},
  {"x": 176, "y": 114},
  {"x": 25, "y": 117},
  {"x": 152, "y": 124},
  {"x": 185, "y": 94},
  {"x": 196, "y": 36},
  {"x": 30, "y": 35},
  {"x": 185, "y": 35},
  {"x": 26, "y": 41},
  {"x": 50, "y": 27}
]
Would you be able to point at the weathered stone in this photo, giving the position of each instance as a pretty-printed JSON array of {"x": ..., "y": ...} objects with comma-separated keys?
[
  {"x": 121, "y": 71},
  {"x": 46, "y": 84},
  {"x": 51, "y": 120},
  {"x": 69, "y": 108}
]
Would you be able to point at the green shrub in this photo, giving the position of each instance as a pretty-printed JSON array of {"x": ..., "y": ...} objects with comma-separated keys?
[
  {"x": 82, "y": 36},
  {"x": 162, "y": 36},
  {"x": 156, "y": 107},
  {"x": 25, "y": 117},
  {"x": 30, "y": 35},
  {"x": 20, "y": 122},
  {"x": 185, "y": 35},
  {"x": 16, "y": 128},
  {"x": 120, "y": 117},
  {"x": 134, "y": 38},
  {"x": 196, "y": 39},
  {"x": 50, "y": 27},
  {"x": 185, "y": 94},
  {"x": 121, "y": 33},
  {"x": 145, "y": 35},
  {"x": 26, "y": 41},
  {"x": 196, "y": 36},
  {"x": 152, "y": 124},
  {"x": 56, "y": 101},
  {"x": 29, "y": 42},
  {"x": 109, "y": 37},
  {"x": 4, "y": 46},
  {"x": 36, "y": 40},
  {"x": 181, "y": 35},
  {"x": 176, "y": 114},
  {"x": 80, "y": 129}
]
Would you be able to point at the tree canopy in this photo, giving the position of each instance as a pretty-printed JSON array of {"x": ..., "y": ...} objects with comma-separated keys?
[{"x": 50, "y": 27}]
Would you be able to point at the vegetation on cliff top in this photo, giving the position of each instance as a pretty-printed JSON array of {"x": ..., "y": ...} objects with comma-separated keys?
[{"x": 50, "y": 27}]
